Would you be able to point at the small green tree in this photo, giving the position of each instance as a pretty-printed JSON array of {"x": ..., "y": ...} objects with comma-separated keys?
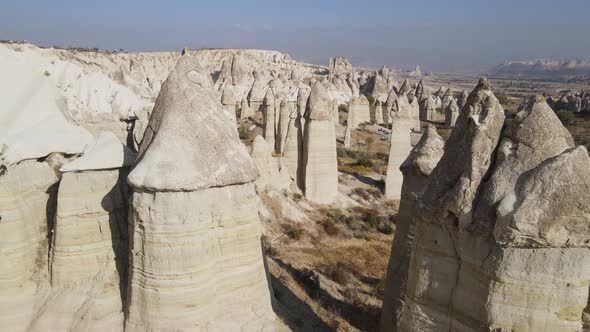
[
  {"x": 503, "y": 99},
  {"x": 567, "y": 118}
]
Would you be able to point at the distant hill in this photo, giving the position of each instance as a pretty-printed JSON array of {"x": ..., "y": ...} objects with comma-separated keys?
[{"x": 542, "y": 68}]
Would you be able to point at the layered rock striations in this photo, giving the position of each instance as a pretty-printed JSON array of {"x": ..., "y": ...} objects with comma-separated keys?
[
  {"x": 27, "y": 194},
  {"x": 359, "y": 111},
  {"x": 501, "y": 228},
  {"x": 416, "y": 169},
  {"x": 269, "y": 168},
  {"x": 196, "y": 261},
  {"x": 319, "y": 149},
  {"x": 88, "y": 257}
]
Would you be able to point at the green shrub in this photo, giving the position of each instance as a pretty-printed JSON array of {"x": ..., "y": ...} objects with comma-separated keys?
[
  {"x": 385, "y": 228},
  {"x": 338, "y": 272},
  {"x": 330, "y": 227},
  {"x": 347, "y": 153},
  {"x": 382, "y": 156},
  {"x": 371, "y": 99},
  {"x": 364, "y": 161},
  {"x": 372, "y": 221},
  {"x": 244, "y": 131},
  {"x": 566, "y": 117},
  {"x": 293, "y": 231},
  {"x": 503, "y": 99}
]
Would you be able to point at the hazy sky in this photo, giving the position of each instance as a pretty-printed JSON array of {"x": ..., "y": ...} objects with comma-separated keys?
[{"x": 439, "y": 35}]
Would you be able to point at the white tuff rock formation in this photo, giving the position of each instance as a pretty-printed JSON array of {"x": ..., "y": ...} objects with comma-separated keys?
[
  {"x": 228, "y": 103},
  {"x": 319, "y": 149},
  {"x": 269, "y": 112},
  {"x": 416, "y": 170},
  {"x": 196, "y": 260},
  {"x": 271, "y": 176},
  {"x": 359, "y": 111},
  {"x": 339, "y": 65},
  {"x": 402, "y": 123},
  {"x": 451, "y": 113},
  {"x": 503, "y": 219},
  {"x": 26, "y": 193},
  {"x": 293, "y": 148}
]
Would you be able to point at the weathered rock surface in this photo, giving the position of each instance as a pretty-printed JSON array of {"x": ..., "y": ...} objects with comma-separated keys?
[
  {"x": 196, "y": 260},
  {"x": 293, "y": 149},
  {"x": 33, "y": 122},
  {"x": 503, "y": 219},
  {"x": 359, "y": 111},
  {"x": 27, "y": 191},
  {"x": 399, "y": 150},
  {"x": 339, "y": 65},
  {"x": 228, "y": 102},
  {"x": 106, "y": 152},
  {"x": 88, "y": 258},
  {"x": 416, "y": 169},
  {"x": 468, "y": 155},
  {"x": 319, "y": 149},
  {"x": 403, "y": 120},
  {"x": 206, "y": 153},
  {"x": 269, "y": 112},
  {"x": 270, "y": 176},
  {"x": 451, "y": 113},
  {"x": 283, "y": 124}
]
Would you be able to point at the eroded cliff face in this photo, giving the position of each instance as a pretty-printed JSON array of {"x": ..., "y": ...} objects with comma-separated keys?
[
  {"x": 415, "y": 169},
  {"x": 64, "y": 196},
  {"x": 195, "y": 233},
  {"x": 500, "y": 239},
  {"x": 26, "y": 194}
]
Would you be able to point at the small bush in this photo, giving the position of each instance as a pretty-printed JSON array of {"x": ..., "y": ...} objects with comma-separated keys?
[
  {"x": 244, "y": 131},
  {"x": 566, "y": 117},
  {"x": 382, "y": 156},
  {"x": 364, "y": 161},
  {"x": 352, "y": 168},
  {"x": 372, "y": 221},
  {"x": 371, "y": 99},
  {"x": 330, "y": 227},
  {"x": 46, "y": 73},
  {"x": 367, "y": 194},
  {"x": 338, "y": 273},
  {"x": 503, "y": 99},
  {"x": 293, "y": 231},
  {"x": 347, "y": 153},
  {"x": 385, "y": 228}
]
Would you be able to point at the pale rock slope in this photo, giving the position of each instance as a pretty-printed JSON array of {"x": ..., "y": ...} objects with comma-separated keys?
[
  {"x": 32, "y": 115},
  {"x": 196, "y": 261}
]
